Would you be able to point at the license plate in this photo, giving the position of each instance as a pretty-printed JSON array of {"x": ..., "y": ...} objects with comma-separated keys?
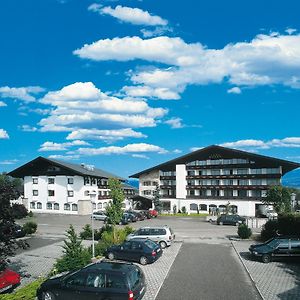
[
  {"x": 141, "y": 291},
  {"x": 6, "y": 288}
]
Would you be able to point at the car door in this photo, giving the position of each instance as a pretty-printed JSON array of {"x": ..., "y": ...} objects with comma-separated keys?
[
  {"x": 228, "y": 220},
  {"x": 282, "y": 249},
  {"x": 136, "y": 251},
  {"x": 155, "y": 234},
  {"x": 295, "y": 247},
  {"x": 124, "y": 251},
  {"x": 143, "y": 233}
]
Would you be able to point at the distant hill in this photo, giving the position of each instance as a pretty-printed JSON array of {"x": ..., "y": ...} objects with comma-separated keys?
[{"x": 292, "y": 179}]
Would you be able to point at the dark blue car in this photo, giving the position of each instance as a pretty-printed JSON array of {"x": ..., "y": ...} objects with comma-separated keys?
[{"x": 143, "y": 251}]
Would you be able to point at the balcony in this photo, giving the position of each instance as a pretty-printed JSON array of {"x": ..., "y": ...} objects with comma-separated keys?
[
  {"x": 227, "y": 187},
  {"x": 234, "y": 176},
  {"x": 246, "y": 198},
  {"x": 167, "y": 196}
]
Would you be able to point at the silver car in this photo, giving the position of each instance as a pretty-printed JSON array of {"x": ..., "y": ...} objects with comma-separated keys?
[
  {"x": 99, "y": 215},
  {"x": 159, "y": 234}
]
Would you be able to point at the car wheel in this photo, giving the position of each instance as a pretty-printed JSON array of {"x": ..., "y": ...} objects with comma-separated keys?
[
  {"x": 111, "y": 256},
  {"x": 48, "y": 296},
  {"x": 266, "y": 258},
  {"x": 143, "y": 260},
  {"x": 163, "y": 244},
  {"x": 220, "y": 223}
]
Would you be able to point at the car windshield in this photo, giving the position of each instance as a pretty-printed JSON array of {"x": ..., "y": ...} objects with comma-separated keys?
[
  {"x": 273, "y": 243},
  {"x": 134, "y": 279},
  {"x": 150, "y": 244}
]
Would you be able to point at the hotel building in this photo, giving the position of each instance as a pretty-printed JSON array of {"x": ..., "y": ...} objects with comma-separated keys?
[{"x": 208, "y": 179}]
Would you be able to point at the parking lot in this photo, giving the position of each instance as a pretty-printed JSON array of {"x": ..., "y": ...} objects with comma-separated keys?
[{"x": 202, "y": 263}]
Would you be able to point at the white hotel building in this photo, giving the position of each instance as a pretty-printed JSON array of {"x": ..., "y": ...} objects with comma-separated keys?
[
  {"x": 52, "y": 186},
  {"x": 207, "y": 179}
]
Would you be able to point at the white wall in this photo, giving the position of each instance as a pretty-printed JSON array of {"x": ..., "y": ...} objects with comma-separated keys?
[{"x": 181, "y": 181}]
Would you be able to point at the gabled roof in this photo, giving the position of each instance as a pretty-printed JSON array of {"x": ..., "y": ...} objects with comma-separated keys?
[
  {"x": 207, "y": 152},
  {"x": 32, "y": 168}
]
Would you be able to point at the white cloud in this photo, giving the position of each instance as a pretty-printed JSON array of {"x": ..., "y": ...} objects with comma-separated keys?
[
  {"x": 64, "y": 157},
  {"x": 177, "y": 151},
  {"x": 2, "y": 104},
  {"x": 84, "y": 106},
  {"x": 160, "y": 30},
  {"x": 234, "y": 90},
  {"x": 21, "y": 93},
  {"x": 175, "y": 123},
  {"x": 265, "y": 60},
  {"x": 28, "y": 128},
  {"x": 140, "y": 156},
  {"x": 51, "y": 146},
  {"x": 130, "y": 148},
  {"x": 9, "y": 162},
  {"x": 288, "y": 142},
  {"x": 131, "y": 15},
  {"x": 290, "y": 30},
  {"x": 3, "y": 134},
  {"x": 105, "y": 135}
]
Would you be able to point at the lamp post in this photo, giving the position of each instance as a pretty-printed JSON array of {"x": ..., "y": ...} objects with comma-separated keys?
[
  {"x": 293, "y": 201},
  {"x": 93, "y": 195}
]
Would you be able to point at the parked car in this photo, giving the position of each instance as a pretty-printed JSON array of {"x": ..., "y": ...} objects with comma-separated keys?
[
  {"x": 18, "y": 231},
  {"x": 104, "y": 280},
  {"x": 153, "y": 213},
  {"x": 231, "y": 220},
  {"x": 99, "y": 216},
  {"x": 132, "y": 216},
  {"x": 126, "y": 218},
  {"x": 140, "y": 216},
  {"x": 143, "y": 251},
  {"x": 163, "y": 235},
  {"x": 282, "y": 246},
  {"x": 146, "y": 213},
  {"x": 8, "y": 278}
]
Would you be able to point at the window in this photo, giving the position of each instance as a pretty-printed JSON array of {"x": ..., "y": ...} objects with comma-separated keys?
[
  {"x": 203, "y": 207},
  {"x": 32, "y": 205},
  {"x": 51, "y": 193},
  {"x": 256, "y": 193},
  {"x": 143, "y": 231},
  {"x": 51, "y": 180},
  {"x": 35, "y": 180},
  {"x": 49, "y": 205},
  {"x": 146, "y": 183},
  {"x": 99, "y": 205},
  {"x": 35, "y": 192},
  {"x": 114, "y": 281},
  {"x": 74, "y": 207},
  {"x": 70, "y": 193},
  {"x": 215, "y": 172},
  {"x": 39, "y": 205},
  {"x": 56, "y": 206},
  {"x": 242, "y": 193},
  {"x": 228, "y": 193},
  {"x": 104, "y": 204},
  {"x": 215, "y": 193},
  {"x": 242, "y": 171},
  {"x": 66, "y": 206},
  {"x": 76, "y": 280},
  {"x": 193, "y": 206},
  {"x": 95, "y": 280},
  {"x": 70, "y": 180}
]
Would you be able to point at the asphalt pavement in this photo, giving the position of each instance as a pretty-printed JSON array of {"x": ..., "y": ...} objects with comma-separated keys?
[{"x": 204, "y": 271}]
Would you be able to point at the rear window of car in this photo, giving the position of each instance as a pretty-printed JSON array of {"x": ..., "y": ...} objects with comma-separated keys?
[
  {"x": 150, "y": 244},
  {"x": 114, "y": 281},
  {"x": 134, "y": 278}
]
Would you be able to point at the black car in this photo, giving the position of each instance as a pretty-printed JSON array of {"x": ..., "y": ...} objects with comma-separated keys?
[
  {"x": 143, "y": 251},
  {"x": 132, "y": 216},
  {"x": 276, "y": 247},
  {"x": 18, "y": 231},
  {"x": 231, "y": 220},
  {"x": 126, "y": 218},
  {"x": 104, "y": 280}
]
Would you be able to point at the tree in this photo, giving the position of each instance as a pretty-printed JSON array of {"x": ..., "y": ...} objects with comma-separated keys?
[
  {"x": 75, "y": 256},
  {"x": 8, "y": 192},
  {"x": 280, "y": 198},
  {"x": 114, "y": 210},
  {"x": 156, "y": 199}
]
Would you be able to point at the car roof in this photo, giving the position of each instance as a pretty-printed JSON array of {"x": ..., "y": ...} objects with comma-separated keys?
[
  {"x": 155, "y": 227},
  {"x": 111, "y": 266}
]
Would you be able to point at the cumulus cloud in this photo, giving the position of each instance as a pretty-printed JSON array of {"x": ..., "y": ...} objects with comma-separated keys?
[
  {"x": 265, "y": 60},
  {"x": 28, "y": 128},
  {"x": 234, "y": 90},
  {"x": 288, "y": 142},
  {"x": 83, "y": 106},
  {"x": 2, "y": 104},
  {"x": 140, "y": 156},
  {"x": 175, "y": 123},
  {"x": 130, "y": 148},
  {"x": 3, "y": 134},
  {"x": 9, "y": 162},
  {"x": 22, "y": 93},
  {"x": 105, "y": 135},
  {"x": 51, "y": 146},
  {"x": 131, "y": 15},
  {"x": 64, "y": 157}
]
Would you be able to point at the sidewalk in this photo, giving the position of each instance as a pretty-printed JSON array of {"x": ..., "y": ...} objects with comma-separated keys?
[{"x": 276, "y": 280}]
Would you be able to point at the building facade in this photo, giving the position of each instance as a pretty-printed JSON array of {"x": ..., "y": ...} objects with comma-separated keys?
[
  {"x": 212, "y": 178},
  {"x": 52, "y": 186}
]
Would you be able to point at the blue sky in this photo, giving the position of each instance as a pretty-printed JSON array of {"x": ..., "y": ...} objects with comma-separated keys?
[{"x": 125, "y": 85}]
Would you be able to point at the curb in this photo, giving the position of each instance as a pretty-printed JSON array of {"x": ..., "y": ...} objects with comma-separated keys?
[{"x": 250, "y": 276}]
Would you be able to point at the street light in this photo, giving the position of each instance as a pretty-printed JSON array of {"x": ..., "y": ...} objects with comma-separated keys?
[
  {"x": 293, "y": 201},
  {"x": 93, "y": 195}
]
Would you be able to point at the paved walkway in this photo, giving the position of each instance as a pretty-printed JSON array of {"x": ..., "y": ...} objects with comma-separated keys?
[{"x": 276, "y": 280}]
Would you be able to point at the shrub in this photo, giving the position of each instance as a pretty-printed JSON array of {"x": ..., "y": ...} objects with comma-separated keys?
[
  {"x": 19, "y": 211},
  {"x": 269, "y": 230},
  {"x": 27, "y": 292},
  {"x": 75, "y": 255},
  {"x": 30, "y": 214},
  {"x": 30, "y": 227},
  {"x": 244, "y": 231},
  {"x": 183, "y": 209},
  {"x": 86, "y": 234}
]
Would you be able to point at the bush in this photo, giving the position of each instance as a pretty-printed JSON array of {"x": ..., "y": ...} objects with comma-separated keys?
[
  {"x": 30, "y": 227},
  {"x": 27, "y": 292},
  {"x": 19, "y": 211},
  {"x": 183, "y": 209},
  {"x": 244, "y": 231},
  {"x": 288, "y": 224},
  {"x": 30, "y": 214},
  {"x": 86, "y": 234}
]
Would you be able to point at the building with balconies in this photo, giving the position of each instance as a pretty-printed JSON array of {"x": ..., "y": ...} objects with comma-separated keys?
[
  {"x": 209, "y": 179},
  {"x": 54, "y": 186}
]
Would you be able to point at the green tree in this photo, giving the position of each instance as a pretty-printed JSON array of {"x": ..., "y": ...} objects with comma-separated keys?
[
  {"x": 156, "y": 199},
  {"x": 75, "y": 256},
  {"x": 280, "y": 197},
  {"x": 8, "y": 192},
  {"x": 114, "y": 210}
]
